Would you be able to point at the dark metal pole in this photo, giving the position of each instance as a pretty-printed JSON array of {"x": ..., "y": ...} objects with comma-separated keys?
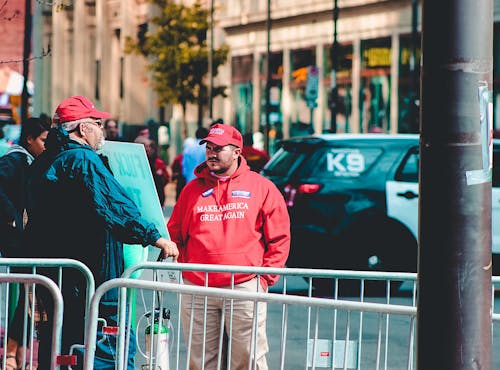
[
  {"x": 454, "y": 280},
  {"x": 211, "y": 61},
  {"x": 414, "y": 68},
  {"x": 26, "y": 59},
  {"x": 268, "y": 77},
  {"x": 333, "y": 76}
]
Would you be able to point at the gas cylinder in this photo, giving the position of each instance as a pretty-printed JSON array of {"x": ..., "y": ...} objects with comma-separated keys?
[{"x": 156, "y": 336}]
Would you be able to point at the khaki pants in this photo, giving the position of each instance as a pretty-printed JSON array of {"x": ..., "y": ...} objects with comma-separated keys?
[{"x": 239, "y": 337}]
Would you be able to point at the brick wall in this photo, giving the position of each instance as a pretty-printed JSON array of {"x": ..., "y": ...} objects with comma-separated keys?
[{"x": 12, "y": 31}]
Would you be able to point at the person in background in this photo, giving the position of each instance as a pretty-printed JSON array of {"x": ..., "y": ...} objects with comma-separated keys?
[
  {"x": 143, "y": 132},
  {"x": 13, "y": 176},
  {"x": 112, "y": 130},
  {"x": 256, "y": 158},
  {"x": 78, "y": 210},
  {"x": 228, "y": 215},
  {"x": 14, "y": 166},
  {"x": 217, "y": 121},
  {"x": 158, "y": 167},
  {"x": 176, "y": 168},
  {"x": 193, "y": 155}
]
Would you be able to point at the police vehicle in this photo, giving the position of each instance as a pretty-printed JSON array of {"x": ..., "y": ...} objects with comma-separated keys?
[{"x": 353, "y": 200}]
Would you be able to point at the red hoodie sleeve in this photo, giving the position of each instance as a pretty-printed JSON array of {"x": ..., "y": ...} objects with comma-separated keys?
[
  {"x": 174, "y": 224},
  {"x": 276, "y": 232}
]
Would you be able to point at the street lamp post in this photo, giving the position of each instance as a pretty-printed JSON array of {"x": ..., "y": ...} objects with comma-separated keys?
[
  {"x": 333, "y": 74},
  {"x": 414, "y": 69},
  {"x": 268, "y": 76},
  {"x": 211, "y": 61},
  {"x": 26, "y": 59}
]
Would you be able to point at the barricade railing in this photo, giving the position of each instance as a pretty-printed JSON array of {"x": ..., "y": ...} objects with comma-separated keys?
[
  {"x": 58, "y": 264},
  {"x": 57, "y": 268},
  {"x": 312, "y": 282},
  {"x": 301, "y": 344},
  {"x": 361, "y": 286},
  {"x": 30, "y": 281}
]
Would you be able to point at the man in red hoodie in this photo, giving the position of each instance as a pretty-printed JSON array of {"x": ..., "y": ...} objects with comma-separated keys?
[{"x": 229, "y": 215}]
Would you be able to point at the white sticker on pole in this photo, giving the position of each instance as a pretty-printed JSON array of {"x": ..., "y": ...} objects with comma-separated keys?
[{"x": 483, "y": 175}]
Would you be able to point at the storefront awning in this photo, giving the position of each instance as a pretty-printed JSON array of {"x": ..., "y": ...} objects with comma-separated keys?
[{"x": 11, "y": 82}]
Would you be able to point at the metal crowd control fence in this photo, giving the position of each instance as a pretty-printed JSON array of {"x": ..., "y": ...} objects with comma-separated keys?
[
  {"x": 57, "y": 264},
  {"x": 30, "y": 281},
  {"x": 56, "y": 267},
  {"x": 343, "y": 352},
  {"x": 372, "y": 326}
]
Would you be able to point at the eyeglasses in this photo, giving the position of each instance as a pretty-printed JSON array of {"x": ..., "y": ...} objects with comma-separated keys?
[{"x": 96, "y": 122}]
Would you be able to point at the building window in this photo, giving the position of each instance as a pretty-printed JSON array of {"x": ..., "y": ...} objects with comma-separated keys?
[
  {"x": 275, "y": 92},
  {"x": 375, "y": 87},
  {"x": 300, "y": 115},
  {"x": 242, "y": 91},
  {"x": 409, "y": 85},
  {"x": 343, "y": 100}
]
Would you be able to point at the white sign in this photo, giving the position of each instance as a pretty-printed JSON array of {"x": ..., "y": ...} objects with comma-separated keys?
[
  {"x": 312, "y": 82},
  {"x": 130, "y": 167}
]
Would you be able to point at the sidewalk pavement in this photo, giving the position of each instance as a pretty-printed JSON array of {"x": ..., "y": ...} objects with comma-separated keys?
[{"x": 169, "y": 200}]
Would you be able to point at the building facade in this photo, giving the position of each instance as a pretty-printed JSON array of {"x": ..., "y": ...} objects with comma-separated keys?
[{"x": 375, "y": 67}]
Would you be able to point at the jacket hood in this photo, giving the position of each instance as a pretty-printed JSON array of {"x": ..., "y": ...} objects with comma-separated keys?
[
  {"x": 221, "y": 187},
  {"x": 58, "y": 140},
  {"x": 20, "y": 149}
]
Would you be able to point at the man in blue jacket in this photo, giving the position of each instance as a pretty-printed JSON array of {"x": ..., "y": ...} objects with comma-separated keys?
[{"x": 79, "y": 210}]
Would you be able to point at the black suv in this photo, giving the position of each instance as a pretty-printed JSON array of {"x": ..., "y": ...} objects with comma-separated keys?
[{"x": 353, "y": 200}]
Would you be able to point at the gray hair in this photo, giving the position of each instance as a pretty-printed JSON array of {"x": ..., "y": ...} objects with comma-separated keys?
[{"x": 71, "y": 126}]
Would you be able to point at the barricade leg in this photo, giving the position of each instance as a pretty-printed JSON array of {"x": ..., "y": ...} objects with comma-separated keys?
[
  {"x": 207, "y": 321},
  {"x": 20, "y": 345}
]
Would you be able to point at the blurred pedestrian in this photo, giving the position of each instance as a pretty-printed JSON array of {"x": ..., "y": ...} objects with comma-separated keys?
[
  {"x": 176, "y": 167},
  {"x": 112, "y": 130},
  {"x": 228, "y": 215},
  {"x": 13, "y": 176},
  {"x": 158, "y": 167},
  {"x": 143, "y": 132},
  {"x": 14, "y": 166},
  {"x": 217, "y": 121},
  {"x": 193, "y": 155},
  {"x": 80, "y": 211},
  {"x": 256, "y": 158}
]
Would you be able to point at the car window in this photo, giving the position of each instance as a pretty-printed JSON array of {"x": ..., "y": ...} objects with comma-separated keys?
[
  {"x": 496, "y": 167},
  {"x": 343, "y": 162},
  {"x": 408, "y": 171},
  {"x": 283, "y": 162}
]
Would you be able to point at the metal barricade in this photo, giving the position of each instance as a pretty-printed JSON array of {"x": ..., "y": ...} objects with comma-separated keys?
[
  {"x": 57, "y": 268},
  {"x": 31, "y": 281},
  {"x": 58, "y": 264},
  {"x": 350, "y": 333}
]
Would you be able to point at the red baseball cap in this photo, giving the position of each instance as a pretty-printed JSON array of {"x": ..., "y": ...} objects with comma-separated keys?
[
  {"x": 75, "y": 108},
  {"x": 221, "y": 135}
]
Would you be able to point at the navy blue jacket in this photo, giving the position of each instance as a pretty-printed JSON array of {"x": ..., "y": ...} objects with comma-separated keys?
[
  {"x": 13, "y": 174},
  {"x": 78, "y": 210}
]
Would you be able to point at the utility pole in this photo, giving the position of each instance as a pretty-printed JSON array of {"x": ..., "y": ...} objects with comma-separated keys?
[
  {"x": 211, "y": 62},
  {"x": 268, "y": 77},
  {"x": 414, "y": 68},
  {"x": 333, "y": 75},
  {"x": 26, "y": 59},
  {"x": 454, "y": 277}
]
